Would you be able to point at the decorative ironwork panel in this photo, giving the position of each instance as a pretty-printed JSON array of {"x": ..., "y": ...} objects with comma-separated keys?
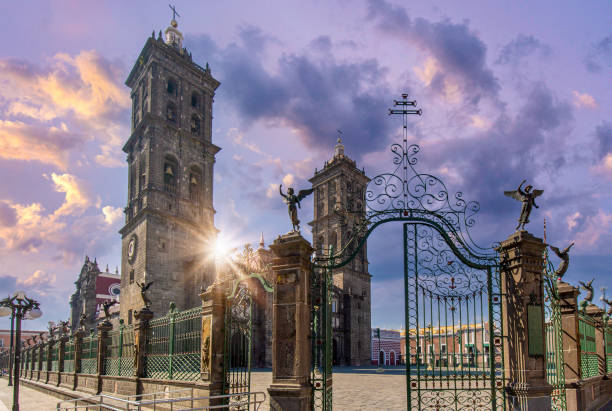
[
  {"x": 69, "y": 355},
  {"x": 238, "y": 344},
  {"x": 128, "y": 352},
  {"x": 187, "y": 346},
  {"x": 454, "y": 344},
  {"x": 589, "y": 366},
  {"x": 321, "y": 332},
  {"x": 112, "y": 355},
  {"x": 89, "y": 357},
  {"x": 54, "y": 353},
  {"x": 157, "y": 358},
  {"x": 555, "y": 372}
]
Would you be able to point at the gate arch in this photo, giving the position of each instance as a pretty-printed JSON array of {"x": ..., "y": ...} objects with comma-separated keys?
[{"x": 452, "y": 287}]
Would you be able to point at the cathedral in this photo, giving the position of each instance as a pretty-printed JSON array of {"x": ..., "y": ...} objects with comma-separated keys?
[{"x": 169, "y": 216}]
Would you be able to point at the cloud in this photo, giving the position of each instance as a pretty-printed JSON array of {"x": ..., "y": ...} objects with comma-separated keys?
[
  {"x": 80, "y": 93},
  {"x": 584, "y": 100},
  {"x": 310, "y": 93},
  {"x": 600, "y": 55},
  {"x": 603, "y": 134},
  {"x": 112, "y": 214},
  {"x": 27, "y": 142},
  {"x": 593, "y": 229},
  {"x": 456, "y": 54},
  {"x": 520, "y": 47},
  {"x": 77, "y": 198},
  {"x": 36, "y": 279}
]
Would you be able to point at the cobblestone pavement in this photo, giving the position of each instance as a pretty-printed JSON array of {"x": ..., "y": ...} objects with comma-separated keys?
[
  {"x": 29, "y": 399},
  {"x": 354, "y": 388}
]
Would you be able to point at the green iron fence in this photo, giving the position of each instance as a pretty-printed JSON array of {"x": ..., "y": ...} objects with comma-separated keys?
[
  {"x": 172, "y": 349},
  {"x": 321, "y": 331},
  {"x": 588, "y": 361},
  {"x": 54, "y": 353},
  {"x": 89, "y": 356},
  {"x": 120, "y": 351},
  {"x": 45, "y": 356},
  {"x": 69, "y": 355}
]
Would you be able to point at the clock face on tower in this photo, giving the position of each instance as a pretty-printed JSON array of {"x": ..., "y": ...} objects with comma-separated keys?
[{"x": 132, "y": 249}]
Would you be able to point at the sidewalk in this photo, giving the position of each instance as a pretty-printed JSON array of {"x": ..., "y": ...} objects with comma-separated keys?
[{"x": 29, "y": 399}]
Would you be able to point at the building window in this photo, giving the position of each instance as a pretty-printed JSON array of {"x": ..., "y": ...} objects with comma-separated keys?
[
  {"x": 170, "y": 177},
  {"x": 195, "y": 125},
  {"x": 195, "y": 185},
  {"x": 131, "y": 276},
  {"x": 171, "y": 112},
  {"x": 129, "y": 317},
  {"x": 334, "y": 307},
  {"x": 171, "y": 86},
  {"x": 195, "y": 100}
]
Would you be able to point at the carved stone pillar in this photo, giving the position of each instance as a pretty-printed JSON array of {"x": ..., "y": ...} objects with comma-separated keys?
[
  {"x": 140, "y": 339},
  {"x": 50, "y": 347},
  {"x": 523, "y": 323},
  {"x": 600, "y": 342},
  {"x": 213, "y": 337},
  {"x": 291, "y": 347},
  {"x": 61, "y": 355},
  {"x": 568, "y": 300},
  {"x": 78, "y": 350},
  {"x": 103, "y": 330}
]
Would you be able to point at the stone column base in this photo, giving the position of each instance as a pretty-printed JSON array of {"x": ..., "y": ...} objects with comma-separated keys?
[
  {"x": 532, "y": 398},
  {"x": 289, "y": 397}
]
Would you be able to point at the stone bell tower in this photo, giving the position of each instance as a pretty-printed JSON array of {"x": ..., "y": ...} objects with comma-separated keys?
[
  {"x": 340, "y": 185},
  {"x": 169, "y": 216}
]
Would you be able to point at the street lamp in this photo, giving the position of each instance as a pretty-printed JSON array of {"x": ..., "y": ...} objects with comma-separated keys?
[{"x": 18, "y": 306}]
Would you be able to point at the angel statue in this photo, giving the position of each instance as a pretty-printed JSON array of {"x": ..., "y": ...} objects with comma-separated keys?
[
  {"x": 82, "y": 319},
  {"x": 564, "y": 256},
  {"x": 527, "y": 197},
  {"x": 588, "y": 287},
  {"x": 106, "y": 306},
  {"x": 143, "y": 292},
  {"x": 609, "y": 303},
  {"x": 292, "y": 200}
]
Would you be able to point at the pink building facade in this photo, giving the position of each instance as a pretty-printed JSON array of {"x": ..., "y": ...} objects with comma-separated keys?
[{"x": 386, "y": 349}]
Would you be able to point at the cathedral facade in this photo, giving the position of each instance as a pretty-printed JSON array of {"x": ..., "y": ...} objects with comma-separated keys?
[
  {"x": 169, "y": 217},
  {"x": 340, "y": 186}
]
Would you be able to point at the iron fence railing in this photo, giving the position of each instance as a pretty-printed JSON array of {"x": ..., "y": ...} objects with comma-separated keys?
[
  {"x": 589, "y": 366},
  {"x": 69, "y": 355},
  {"x": 119, "y": 356},
  {"x": 173, "y": 346},
  {"x": 45, "y": 356},
  {"x": 89, "y": 356},
  {"x": 608, "y": 336},
  {"x": 54, "y": 353}
]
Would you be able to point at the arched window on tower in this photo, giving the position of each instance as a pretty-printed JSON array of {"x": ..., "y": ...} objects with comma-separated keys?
[
  {"x": 334, "y": 241},
  {"x": 195, "y": 125},
  {"x": 171, "y": 112},
  {"x": 195, "y": 100},
  {"x": 195, "y": 184},
  {"x": 170, "y": 174},
  {"x": 171, "y": 86}
]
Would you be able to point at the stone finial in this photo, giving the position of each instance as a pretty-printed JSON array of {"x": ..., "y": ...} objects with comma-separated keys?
[
  {"x": 261, "y": 241},
  {"x": 339, "y": 149}
]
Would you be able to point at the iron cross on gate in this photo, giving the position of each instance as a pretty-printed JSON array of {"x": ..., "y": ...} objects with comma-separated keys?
[{"x": 174, "y": 12}]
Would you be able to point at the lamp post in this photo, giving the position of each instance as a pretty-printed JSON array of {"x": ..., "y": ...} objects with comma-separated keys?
[{"x": 18, "y": 306}]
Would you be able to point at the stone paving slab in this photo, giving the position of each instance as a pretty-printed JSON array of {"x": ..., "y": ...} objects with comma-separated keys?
[{"x": 29, "y": 399}]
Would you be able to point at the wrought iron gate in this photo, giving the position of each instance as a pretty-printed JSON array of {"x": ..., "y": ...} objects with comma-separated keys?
[
  {"x": 453, "y": 311},
  {"x": 238, "y": 342},
  {"x": 321, "y": 337},
  {"x": 555, "y": 373}
]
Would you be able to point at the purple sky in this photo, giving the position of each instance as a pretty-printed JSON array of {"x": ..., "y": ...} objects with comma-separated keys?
[{"x": 508, "y": 91}]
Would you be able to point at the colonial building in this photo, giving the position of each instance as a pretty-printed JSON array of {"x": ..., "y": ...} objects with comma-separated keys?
[
  {"x": 386, "y": 347},
  {"x": 169, "y": 216},
  {"x": 340, "y": 186},
  {"x": 93, "y": 287}
]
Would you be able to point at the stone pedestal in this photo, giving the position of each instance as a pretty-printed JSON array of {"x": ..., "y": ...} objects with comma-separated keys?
[
  {"x": 140, "y": 339},
  {"x": 61, "y": 355},
  {"x": 291, "y": 348},
  {"x": 213, "y": 337},
  {"x": 568, "y": 304},
  {"x": 78, "y": 350},
  {"x": 103, "y": 330},
  {"x": 600, "y": 342},
  {"x": 523, "y": 324}
]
